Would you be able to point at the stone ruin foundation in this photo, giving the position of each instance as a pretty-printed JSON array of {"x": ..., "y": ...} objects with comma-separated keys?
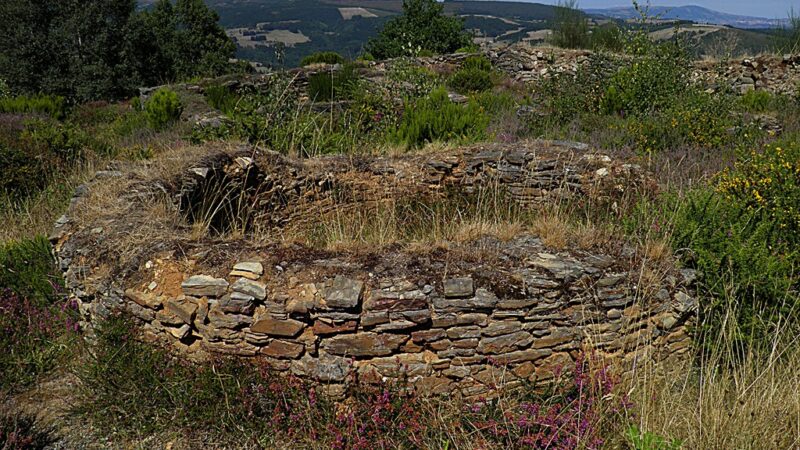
[{"x": 462, "y": 317}]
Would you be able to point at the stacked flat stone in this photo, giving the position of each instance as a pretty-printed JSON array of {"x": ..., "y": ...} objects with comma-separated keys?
[{"x": 442, "y": 333}]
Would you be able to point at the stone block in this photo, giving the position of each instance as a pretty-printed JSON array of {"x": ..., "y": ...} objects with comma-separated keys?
[
  {"x": 277, "y": 327},
  {"x": 343, "y": 293},
  {"x": 459, "y": 288},
  {"x": 204, "y": 286},
  {"x": 363, "y": 344},
  {"x": 249, "y": 287}
]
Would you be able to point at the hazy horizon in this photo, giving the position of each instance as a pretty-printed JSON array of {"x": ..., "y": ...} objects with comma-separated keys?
[{"x": 771, "y": 9}]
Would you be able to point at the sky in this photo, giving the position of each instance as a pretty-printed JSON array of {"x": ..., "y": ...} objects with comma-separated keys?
[{"x": 771, "y": 9}]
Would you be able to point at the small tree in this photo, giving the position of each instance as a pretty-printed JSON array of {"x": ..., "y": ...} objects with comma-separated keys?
[
  {"x": 422, "y": 26},
  {"x": 571, "y": 29}
]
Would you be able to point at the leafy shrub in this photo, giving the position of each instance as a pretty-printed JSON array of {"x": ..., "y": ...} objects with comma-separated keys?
[
  {"x": 51, "y": 105},
  {"x": 339, "y": 84},
  {"x": 565, "y": 98},
  {"x": 695, "y": 119},
  {"x": 163, "y": 108},
  {"x": 4, "y": 90},
  {"x": 322, "y": 58},
  {"x": 768, "y": 183},
  {"x": 436, "y": 118},
  {"x": 650, "y": 83},
  {"x": 258, "y": 117},
  {"x": 422, "y": 26},
  {"x": 608, "y": 37},
  {"x": 743, "y": 237},
  {"x": 477, "y": 63}
]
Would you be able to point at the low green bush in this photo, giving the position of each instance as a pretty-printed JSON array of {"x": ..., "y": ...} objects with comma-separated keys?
[
  {"x": 436, "y": 118},
  {"x": 650, "y": 83},
  {"x": 4, "y": 89},
  {"x": 51, "y": 105},
  {"x": 473, "y": 76},
  {"x": 322, "y": 58},
  {"x": 221, "y": 97},
  {"x": 28, "y": 269},
  {"x": 743, "y": 236},
  {"x": 408, "y": 79},
  {"x": 466, "y": 81},
  {"x": 333, "y": 85},
  {"x": 163, "y": 108},
  {"x": 477, "y": 63},
  {"x": 44, "y": 148},
  {"x": 756, "y": 101},
  {"x": 35, "y": 322},
  {"x": 695, "y": 119}
]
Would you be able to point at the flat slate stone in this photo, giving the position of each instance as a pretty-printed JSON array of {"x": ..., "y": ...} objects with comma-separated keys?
[
  {"x": 364, "y": 344},
  {"x": 251, "y": 270},
  {"x": 344, "y": 293},
  {"x": 204, "y": 286},
  {"x": 458, "y": 288},
  {"x": 250, "y": 287},
  {"x": 276, "y": 327}
]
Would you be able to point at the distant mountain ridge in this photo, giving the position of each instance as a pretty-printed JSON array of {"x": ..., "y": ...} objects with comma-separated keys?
[{"x": 693, "y": 13}]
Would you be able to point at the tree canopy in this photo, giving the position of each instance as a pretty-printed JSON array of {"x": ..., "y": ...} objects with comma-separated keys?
[
  {"x": 422, "y": 27},
  {"x": 104, "y": 49}
]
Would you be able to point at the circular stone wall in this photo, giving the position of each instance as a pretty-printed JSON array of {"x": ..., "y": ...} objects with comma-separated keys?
[{"x": 467, "y": 316}]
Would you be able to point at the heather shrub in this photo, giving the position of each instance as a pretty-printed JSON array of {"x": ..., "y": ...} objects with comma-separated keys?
[
  {"x": 473, "y": 76},
  {"x": 322, "y": 58},
  {"x": 579, "y": 410},
  {"x": 21, "y": 432},
  {"x": 163, "y": 109},
  {"x": 51, "y": 105},
  {"x": 130, "y": 384},
  {"x": 33, "y": 154},
  {"x": 34, "y": 320},
  {"x": 436, "y": 118}
]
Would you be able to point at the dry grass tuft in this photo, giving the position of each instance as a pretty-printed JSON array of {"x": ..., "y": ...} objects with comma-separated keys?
[{"x": 733, "y": 398}]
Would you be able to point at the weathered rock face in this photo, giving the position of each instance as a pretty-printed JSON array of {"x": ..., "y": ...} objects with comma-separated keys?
[{"x": 443, "y": 318}]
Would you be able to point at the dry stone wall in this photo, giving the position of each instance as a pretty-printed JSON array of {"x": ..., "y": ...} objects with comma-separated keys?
[{"x": 466, "y": 318}]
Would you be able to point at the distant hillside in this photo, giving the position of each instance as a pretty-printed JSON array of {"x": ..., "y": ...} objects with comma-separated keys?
[
  {"x": 692, "y": 13},
  {"x": 302, "y": 27}
]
